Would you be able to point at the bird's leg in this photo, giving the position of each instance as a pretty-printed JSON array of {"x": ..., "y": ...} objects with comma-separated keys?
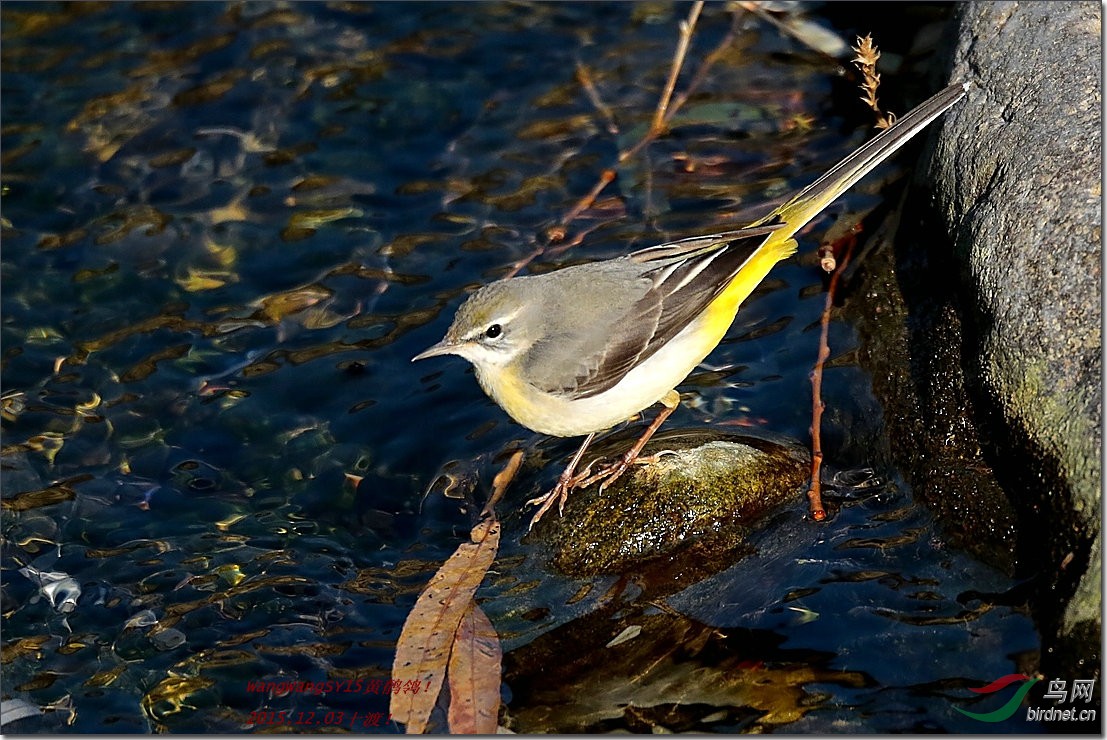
[
  {"x": 611, "y": 473},
  {"x": 569, "y": 480},
  {"x": 565, "y": 483}
]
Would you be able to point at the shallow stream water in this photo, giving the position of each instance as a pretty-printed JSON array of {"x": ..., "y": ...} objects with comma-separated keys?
[{"x": 226, "y": 230}]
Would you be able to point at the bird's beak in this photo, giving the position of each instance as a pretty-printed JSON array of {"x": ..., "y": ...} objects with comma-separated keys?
[{"x": 445, "y": 347}]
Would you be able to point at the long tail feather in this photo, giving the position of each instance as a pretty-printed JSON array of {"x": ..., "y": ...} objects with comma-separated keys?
[{"x": 810, "y": 201}]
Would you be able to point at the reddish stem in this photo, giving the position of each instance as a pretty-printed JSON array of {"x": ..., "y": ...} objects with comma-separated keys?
[{"x": 814, "y": 493}]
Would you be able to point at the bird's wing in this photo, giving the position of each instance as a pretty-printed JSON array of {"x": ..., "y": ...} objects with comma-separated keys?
[
  {"x": 675, "y": 282},
  {"x": 643, "y": 301}
]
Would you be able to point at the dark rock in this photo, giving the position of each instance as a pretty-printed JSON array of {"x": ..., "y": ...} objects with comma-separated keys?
[
  {"x": 1018, "y": 174},
  {"x": 913, "y": 345}
]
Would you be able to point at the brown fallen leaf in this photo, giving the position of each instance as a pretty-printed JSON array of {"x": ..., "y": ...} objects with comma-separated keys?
[
  {"x": 425, "y": 641},
  {"x": 474, "y": 676}
]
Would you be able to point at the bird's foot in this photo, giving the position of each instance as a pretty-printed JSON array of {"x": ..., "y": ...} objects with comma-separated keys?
[
  {"x": 559, "y": 493},
  {"x": 566, "y": 483},
  {"x": 611, "y": 473}
]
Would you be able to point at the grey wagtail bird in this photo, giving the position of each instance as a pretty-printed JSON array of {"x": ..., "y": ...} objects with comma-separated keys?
[{"x": 578, "y": 350}]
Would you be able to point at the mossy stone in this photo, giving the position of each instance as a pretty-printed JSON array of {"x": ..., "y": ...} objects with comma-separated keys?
[{"x": 688, "y": 510}]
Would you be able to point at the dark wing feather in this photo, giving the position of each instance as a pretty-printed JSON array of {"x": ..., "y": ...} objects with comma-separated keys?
[
  {"x": 683, "y": 278},
  {"x": 685, "y": 248}
]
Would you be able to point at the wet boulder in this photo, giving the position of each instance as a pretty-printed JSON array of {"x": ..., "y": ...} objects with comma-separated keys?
[{"x": 685, "y": 512}]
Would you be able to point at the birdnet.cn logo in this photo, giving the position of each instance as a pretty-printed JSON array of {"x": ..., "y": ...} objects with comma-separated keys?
[{"x": 1068, "y": 704}]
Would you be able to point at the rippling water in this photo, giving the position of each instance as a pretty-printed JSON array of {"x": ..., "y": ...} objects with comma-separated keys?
[{"x": 226, "y": 230}]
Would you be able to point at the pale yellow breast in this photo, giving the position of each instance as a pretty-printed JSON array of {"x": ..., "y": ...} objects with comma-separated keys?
[{"x": 640, "y": 388}]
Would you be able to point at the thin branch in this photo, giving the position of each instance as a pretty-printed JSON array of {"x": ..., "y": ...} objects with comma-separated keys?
[
  {"x": 686, "y": 29},
  {"x": 606, "y": 177},
  {"x": 584, "y": 77},
  {"x": 814, "y": 493},
  {"x": 701, "y": 73},
  {"x": 666, "y": 108}
]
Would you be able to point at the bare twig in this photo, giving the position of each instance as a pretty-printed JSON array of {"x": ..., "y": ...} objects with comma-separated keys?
[
  {"x": 866, "y": 59},
  {"x": 814, "y": 493},
  {"x": 582, "y": 205},
  {"x": 584, "y": 77},
  {"x": 701, "y": 73},
  {"x": 667, "y": 107},
  {"x": 686, "y": 28},
  {"x": 556, "y": 233},
  {"x": 867, "y": 56}
]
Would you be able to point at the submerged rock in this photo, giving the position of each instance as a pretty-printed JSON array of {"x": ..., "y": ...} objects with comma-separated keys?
[
  {"x": 685, "y": 513},
  {"x": 638, "y": 670}
]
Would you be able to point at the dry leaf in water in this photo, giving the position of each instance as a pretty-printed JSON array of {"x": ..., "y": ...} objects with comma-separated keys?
[
  {"x": 474, "y": 676},
  {"x": 428, "y": 633}
]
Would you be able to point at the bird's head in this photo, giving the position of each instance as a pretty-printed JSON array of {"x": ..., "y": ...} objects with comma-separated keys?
[{"x": 492, "y": 328}]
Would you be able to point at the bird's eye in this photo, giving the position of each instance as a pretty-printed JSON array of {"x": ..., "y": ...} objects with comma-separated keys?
[{"x": 493, "y": 331}]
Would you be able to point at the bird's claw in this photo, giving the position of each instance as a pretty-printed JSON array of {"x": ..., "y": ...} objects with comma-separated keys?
[
  {"x": 546, "y": 501},
  {"x": 560, "y": 493},
  {"x": 606, "y": 476}
]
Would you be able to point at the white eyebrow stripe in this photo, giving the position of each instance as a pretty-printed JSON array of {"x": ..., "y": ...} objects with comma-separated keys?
[{"x": 503, "y": 320}]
